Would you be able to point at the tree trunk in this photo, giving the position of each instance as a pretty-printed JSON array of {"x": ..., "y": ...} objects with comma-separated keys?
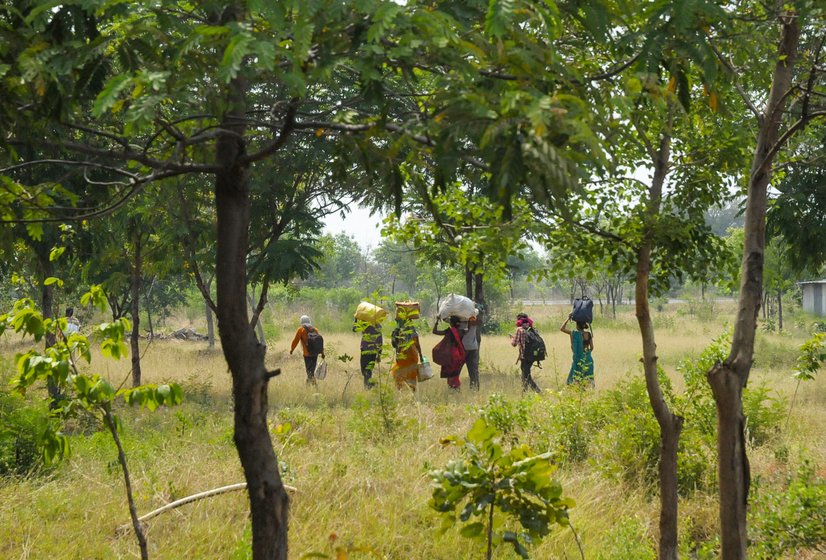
[
  {"x": 479, "y": 295},
  {"x": 135, "y": 294},
  {"x": 269, "y": 503},
  {"x": 42, "y": 251},
  {"x": 210, "y": 327},
  {"x": 149, "y": 323},
  {"x": 670, "y": 424},
  {"x": 259, "y": 328},
  {"x": 468, "y": 282},
  {"x": 779, "y": 311},
  {"x": 728, "y": 379}
]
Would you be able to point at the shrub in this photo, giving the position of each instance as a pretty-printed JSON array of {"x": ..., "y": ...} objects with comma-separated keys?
[
  {"x": 507, "y": 416},
  {"x": 791, "y": 519},
  {"x": 490, "y": 479},
  {"x": 22, "y": 428}
]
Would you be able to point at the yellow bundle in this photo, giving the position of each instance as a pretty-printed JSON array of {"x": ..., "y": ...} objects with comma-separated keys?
[{"x": 370, "y": 313}]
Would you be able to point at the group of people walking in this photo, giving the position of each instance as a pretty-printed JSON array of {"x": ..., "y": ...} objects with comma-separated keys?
[{"x": 459, "y": 346}]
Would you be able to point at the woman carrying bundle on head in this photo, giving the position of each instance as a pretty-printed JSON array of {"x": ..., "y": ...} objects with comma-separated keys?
[
  {"x": 450, "y": 352},
  {"x": 582, "y": 344},
  {"x": 405, "y": 340}
]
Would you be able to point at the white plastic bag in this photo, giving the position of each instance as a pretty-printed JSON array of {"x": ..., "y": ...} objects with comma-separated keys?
[
  {"x": 321, "y": 370},
  {"x": 457, "y": 305},
  {"x": 425, "y": 370}
]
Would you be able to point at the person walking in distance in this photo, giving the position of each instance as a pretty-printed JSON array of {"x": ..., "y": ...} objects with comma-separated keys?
[
  {"x": 470, "y": 340},
  {"x": 405, "y": 340},
  {"x": 582, "y": 344},
  {"x": 453, "y": 346},
  {"x": 310, "y": 350},
  {"x": 72, "y": 324},
  {"x": 371, "y": 341},
  {"x": 518, "y": 339}
]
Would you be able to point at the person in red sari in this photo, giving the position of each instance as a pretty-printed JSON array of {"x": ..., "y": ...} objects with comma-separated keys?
[{"x": 451, "y": 372}]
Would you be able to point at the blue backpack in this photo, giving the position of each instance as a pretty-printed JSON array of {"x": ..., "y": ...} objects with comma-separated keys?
[{"x": 583, "y": 310}]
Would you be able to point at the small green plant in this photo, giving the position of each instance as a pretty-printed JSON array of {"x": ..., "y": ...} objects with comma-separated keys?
[
  {"x": 791, "y": 519},
  {"x": 505, "y": 415},
  {"x": 488, "y": 479},
  {"x": 81, "y": 395},
  {"x": 23, "y": 426},
  {"x": 810, "y": 359}
]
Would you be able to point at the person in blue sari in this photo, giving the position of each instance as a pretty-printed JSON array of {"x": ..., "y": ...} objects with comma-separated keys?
[{"x": 582, "y": 344}]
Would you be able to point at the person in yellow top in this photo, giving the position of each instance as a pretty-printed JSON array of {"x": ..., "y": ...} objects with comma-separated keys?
[
  {"x": 302, "y": 335},
  {"x": 405, "y": 368}
]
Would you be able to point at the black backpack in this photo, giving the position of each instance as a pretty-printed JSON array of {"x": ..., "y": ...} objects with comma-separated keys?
[
  {"x": 315, "y": 342},
  {"x": 534, "y": 346}
]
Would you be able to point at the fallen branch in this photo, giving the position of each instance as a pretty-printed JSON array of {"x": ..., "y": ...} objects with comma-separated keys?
[{"x": 196, "y": 497}]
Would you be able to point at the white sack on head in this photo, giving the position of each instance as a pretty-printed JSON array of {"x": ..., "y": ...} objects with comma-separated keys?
[{"x": 456, "y": 305}]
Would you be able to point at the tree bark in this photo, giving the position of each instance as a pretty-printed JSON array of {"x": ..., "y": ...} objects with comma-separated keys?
[
  {"x": 42, "y": 251},
  {"x": 728, "y": 379},
  {"x": 135, "y": 295},
  {"x": 210, "y": 327},
  {"x": 259, "y": 328},
  {"x": 670, "y": 424},
  {"x": 269, "y": 503},
  {"x": 468, "y": 282},
  {"x": 779, "y": 311}
]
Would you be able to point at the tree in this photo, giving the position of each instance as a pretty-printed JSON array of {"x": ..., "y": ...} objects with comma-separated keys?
[{"x": 791, "y": 92}]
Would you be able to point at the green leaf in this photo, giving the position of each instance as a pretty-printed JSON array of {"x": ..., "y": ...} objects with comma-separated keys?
[
  {"x": 55, "y": 253},
  {"x": 472, "y": 530},
  {"x": 52, "y": 280},
  {"x": 110, "y": 93}
]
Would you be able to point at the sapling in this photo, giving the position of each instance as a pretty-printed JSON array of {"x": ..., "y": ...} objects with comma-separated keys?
[
  {"x": 811, "y": 358},
  {"x": 488, "y": 479},
  {"x": 82, "y": 394}
]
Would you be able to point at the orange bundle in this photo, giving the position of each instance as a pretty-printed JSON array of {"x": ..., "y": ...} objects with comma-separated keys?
[{"x": 408, "y": 310}]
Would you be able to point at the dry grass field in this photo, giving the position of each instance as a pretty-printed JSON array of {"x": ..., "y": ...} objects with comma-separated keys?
[{"x": 356, "y": 484}]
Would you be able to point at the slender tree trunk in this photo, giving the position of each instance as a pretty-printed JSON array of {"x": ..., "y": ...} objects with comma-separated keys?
[
  {"x": 135, "y": 293},
  {"x": 210, "y": 326},
  {"x": 111, "y": 425},
  {"x": 269, "y": 503},
  {"x": 670, "y": 424},
  {"x": 259, "y": 328},
  {"x": 46, "y": 266},
  {"x": 468, "y": 282},
  {"x": 728, "y": 379},
  {"x": 779, "y": 311},
  {"x": 479, "y": 296}
]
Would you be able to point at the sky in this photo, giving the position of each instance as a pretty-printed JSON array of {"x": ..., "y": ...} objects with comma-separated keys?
[{"x": 365, "y": 229}]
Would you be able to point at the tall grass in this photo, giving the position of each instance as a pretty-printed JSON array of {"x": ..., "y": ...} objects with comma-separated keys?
[{"x": 357, "y": 482}]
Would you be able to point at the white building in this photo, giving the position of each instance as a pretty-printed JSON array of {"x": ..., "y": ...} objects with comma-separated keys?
[{"x": 814, "y": 296}]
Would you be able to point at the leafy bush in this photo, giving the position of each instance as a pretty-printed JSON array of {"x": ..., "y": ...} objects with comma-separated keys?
[
  {"x": 791, "y": 519},
  {"x": 507, "y": 416},
  {"x": 569, "y": 423},
  {"x": 489, "y": 479},
  {"x": 22, "y": 428}
]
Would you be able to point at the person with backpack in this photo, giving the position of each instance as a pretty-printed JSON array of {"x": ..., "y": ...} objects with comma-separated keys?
[
  {"x": 312, "y": 344},
  {"x": 452, "y": 354},
  {"x": 582, "y": 344},
  {"x": 531, "y": 349}
]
